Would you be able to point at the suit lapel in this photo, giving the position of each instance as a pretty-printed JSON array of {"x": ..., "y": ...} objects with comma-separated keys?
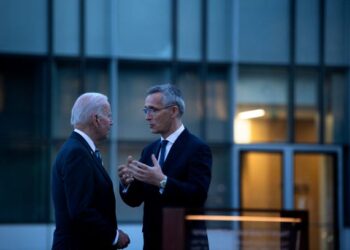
[
  {"x": 176, "y": 149},
  {"x": 93, "y": 157},
  {"x": 156, "y": 149}
]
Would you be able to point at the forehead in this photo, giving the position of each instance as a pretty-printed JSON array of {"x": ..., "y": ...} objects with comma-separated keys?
[{"x": 155, "y": 99}]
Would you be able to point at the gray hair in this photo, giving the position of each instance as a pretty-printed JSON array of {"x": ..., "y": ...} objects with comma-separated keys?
[
  {"x": 86, "y": 105},
  {"x": 171, "y": 95}
]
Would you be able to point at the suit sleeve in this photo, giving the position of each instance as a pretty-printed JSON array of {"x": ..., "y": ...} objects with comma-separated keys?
[
  {"x": 80, "y": 188},
  {"x": 193, "y": 190},
  {"x": 134, "y": 194}
]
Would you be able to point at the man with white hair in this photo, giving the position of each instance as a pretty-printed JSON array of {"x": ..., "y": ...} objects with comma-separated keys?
[{"x": 82, "y": 191}]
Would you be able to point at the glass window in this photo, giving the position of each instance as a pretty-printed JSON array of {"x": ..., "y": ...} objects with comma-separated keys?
[
  {"x": 134, "y": 81},
  {"x": 66, "y": 89},
  {"x": 144, "y": 29},
  {"x": 306, "y": 107},
  {"x": 98, "y": 31},
  {"x": 66, "y": 27},
  {"x": 97, "y": 77},
  {"x": 261, "y": 105},
  {"x": 307, "y": 28},
  {"x": 220, "y": 187},
  {"x": 220, "y": 30},
  {"x": 24, "y": 182},
  {"x": 217, "y": 109},
  {"x": 336, "y": 103},
  {"x": 189, "y": 30},
  {"x": 263, "y": 31},
  {"x": 23, "y": 26},
  {"x": 189, "y": 82},
  {"x": 337, "y": 32}
]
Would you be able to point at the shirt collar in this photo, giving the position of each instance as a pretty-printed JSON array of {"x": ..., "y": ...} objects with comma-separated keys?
[
  {"x": 86, "y": 138},
  {"x": 172, "y": 138}
]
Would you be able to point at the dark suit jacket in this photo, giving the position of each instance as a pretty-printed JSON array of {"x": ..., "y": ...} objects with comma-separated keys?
[
  {"x": 83, "y": 199},
  {"x": 188, "y": 168}
]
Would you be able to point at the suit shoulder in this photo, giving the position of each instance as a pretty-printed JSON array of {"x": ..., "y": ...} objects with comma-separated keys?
[
  {"x": 72, "y": 148},
  {"x": 196, "y": 140},
  {"x": 192, "y": 143},
  {"x": 152, "y": 144}
]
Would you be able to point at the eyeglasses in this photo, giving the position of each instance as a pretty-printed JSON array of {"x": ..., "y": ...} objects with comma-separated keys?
[{"x": 152, "y": 110}]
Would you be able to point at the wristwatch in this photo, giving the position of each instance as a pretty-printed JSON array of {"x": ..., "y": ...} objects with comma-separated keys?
[{"x": 162, "y": 183}]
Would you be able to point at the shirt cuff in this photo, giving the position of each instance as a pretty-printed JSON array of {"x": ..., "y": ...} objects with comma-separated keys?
[
  {"x": 125, "y": 188},
  {"x": 116, "y": 238}
]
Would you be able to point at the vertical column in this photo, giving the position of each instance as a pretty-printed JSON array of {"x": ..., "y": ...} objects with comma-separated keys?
[
  {"x": 204, "y": 63},
  {"x": 321, "y": 72},
  {"x": 233, "y": 78},
  {"x": 82, "y": 55},
  {"x": 174, "y": 44},
  {"x": 113, "y": 87},
  {"x": 291, "y": 71},
  {"x": 288, "y": 178}
]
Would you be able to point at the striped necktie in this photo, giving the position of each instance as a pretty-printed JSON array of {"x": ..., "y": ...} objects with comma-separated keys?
[{"x": 98, "y": 156}]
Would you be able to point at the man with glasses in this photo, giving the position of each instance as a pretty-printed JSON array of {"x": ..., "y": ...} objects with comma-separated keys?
[{"x": 173, "y": 171}]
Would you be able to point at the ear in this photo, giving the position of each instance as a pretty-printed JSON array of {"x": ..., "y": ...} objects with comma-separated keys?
[
  {"x": 95, "y": 120},
  {"x": 175, "y": 111}
]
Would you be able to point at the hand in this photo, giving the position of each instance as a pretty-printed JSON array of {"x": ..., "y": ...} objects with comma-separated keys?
[
  {"x": 123, "y": 240},
  {"x": 124, "y": 174},
  {"x": 142, "y": 172}
]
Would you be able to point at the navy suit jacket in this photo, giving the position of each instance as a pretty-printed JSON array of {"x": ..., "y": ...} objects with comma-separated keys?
[
  {"x": 83, "y": 199},
  {"x": 188, "y": 168}
]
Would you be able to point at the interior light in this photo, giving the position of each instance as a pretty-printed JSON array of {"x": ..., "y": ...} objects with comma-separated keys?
[
  {"x": 251, "y": 114},
  {"x": 243, "y": 218}
]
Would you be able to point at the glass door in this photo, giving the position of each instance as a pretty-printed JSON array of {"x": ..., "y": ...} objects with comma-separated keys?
[
  {"x": 294, "y": 177},
  {"x": 314, "y": 191}
]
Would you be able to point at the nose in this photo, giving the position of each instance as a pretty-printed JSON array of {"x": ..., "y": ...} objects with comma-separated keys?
[{"x": 148, "y": 116}]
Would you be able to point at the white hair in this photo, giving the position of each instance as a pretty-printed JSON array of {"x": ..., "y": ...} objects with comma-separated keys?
[{"x": 86, "y": 105}]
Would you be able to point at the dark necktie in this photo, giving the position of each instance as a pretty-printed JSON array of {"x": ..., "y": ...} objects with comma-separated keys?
[
  {"x": 98, "y": 156},
  {"x": 162, "y": 152}
]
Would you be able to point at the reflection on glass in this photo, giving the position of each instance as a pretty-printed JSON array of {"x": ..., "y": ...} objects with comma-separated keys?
[
  {"x": 263, "y": 92},
  {"x": 306, "y": 110},
  {"x": 314, "y": 192}
]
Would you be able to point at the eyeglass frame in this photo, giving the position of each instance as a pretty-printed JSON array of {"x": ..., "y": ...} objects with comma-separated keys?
[{"x": 153, "y": 110}]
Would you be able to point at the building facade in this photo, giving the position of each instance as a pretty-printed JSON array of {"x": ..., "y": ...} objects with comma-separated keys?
[{"x": 266, "y": 84}]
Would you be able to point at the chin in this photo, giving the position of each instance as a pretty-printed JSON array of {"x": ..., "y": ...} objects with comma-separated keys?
[{"x": 154, "y": 131}]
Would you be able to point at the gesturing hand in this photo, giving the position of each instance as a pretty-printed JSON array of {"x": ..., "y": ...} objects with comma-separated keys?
[
  {"x": 123, "y": 240},
  {"x": 142, "y": 172},
  {"x": 124, "y": 173}
]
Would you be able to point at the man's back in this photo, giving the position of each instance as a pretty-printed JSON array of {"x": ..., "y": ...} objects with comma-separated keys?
[{"x": 83, "y": 198}]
